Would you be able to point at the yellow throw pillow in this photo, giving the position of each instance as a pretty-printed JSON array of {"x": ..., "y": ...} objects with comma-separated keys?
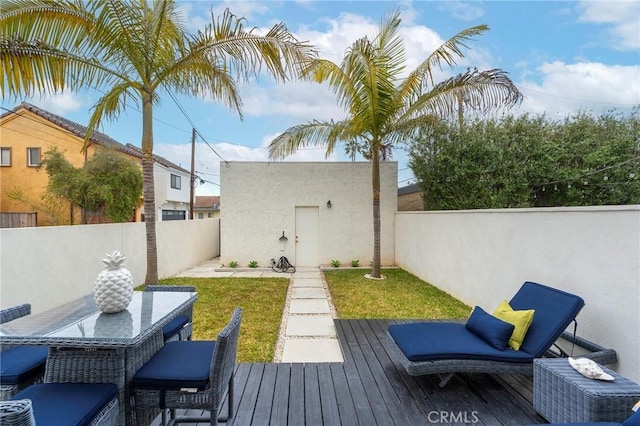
[{"x": 521, "y": 320}]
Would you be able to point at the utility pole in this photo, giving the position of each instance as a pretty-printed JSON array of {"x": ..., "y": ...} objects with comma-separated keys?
[{"x": 193, "y": 176}]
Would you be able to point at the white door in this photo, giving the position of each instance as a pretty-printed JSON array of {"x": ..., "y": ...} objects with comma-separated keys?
[{"x": 307, "y": 236}]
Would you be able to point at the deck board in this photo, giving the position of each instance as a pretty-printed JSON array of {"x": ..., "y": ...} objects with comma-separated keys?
[{"x": 372, "y": 388}]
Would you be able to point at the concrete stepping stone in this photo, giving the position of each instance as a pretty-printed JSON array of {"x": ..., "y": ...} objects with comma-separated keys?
[
  {"x": 311, "y": 326},
  {"x": 309, "y": 306},
  {"x": 308, "y": 293},
  {"x": 312, "y": 350},
  {"x": 307, "y": 282}
]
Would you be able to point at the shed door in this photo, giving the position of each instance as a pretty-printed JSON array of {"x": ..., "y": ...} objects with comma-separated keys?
[{"x": 307, "y": 236}]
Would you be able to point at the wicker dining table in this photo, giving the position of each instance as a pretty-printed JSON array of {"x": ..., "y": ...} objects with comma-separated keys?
[{"x": 88, "y": 346}]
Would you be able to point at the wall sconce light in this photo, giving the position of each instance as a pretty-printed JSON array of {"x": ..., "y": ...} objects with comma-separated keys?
[
  {"x": 283, "y": 240},
  {"x": 329, "y": 204}
]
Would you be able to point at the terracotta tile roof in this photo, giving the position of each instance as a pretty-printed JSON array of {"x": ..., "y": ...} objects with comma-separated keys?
[
  {"x": 96, "y": 137},
  {"x": 206, "y": 202}
]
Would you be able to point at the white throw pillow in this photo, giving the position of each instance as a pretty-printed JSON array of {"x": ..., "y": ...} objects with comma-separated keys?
[{"x": 589, "y": 368}]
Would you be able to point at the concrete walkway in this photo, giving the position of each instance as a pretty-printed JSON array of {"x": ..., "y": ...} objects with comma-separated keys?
[{"x": 307, "y": 332}]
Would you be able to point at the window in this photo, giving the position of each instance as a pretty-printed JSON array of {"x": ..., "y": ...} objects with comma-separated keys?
[
  {"x": 33, "y": 157},
  {"x": 209, "y": 214},
  {"x": 174, "y": 215},
  {"x": 5, "y": 156},
  {"x": 200, "y": 215},
  {"x": 175, "y": 182}
]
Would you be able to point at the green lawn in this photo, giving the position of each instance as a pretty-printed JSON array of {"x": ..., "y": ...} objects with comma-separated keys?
[
  {"x": 262, "y": 301},
  {"x": 400, "y": 295}
]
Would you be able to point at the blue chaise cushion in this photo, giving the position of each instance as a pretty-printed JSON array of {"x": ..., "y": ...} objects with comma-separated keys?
[
  {"x": 179, "y": 364},
  {"x": 58, "y": 404},
  {"x": 555, "y": 309},
  {"x": 21, "y": 363},
  {"x": 430, "y": 341},
  {"x": 492, "y": 330},
  {"x": 633, "y": 420},
  {"x": 174, "y": 326}
]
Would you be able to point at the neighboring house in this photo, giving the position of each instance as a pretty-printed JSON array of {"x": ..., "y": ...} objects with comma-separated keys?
[
  {"x": 323, "y": 210},
  {"x": 28, "y": 132},
  {"x": 206, "y": 207},
  {"x": 173, "y": 189},
  {"x": 410, "y": 198}
]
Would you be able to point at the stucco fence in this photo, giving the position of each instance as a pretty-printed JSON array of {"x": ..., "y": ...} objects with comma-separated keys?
[
  {"x": 48, "y": 266},
  {"x": 483, "y": 256}
]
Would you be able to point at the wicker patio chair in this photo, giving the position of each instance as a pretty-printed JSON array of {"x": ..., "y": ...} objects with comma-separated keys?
[
  {"x": 446, "y": 348},
  {"x": 190, "y": 375},
  {"x": 16, "y": 413},
  {"x": 20, "y": 366},
  {"x": 181, "y": 327},
  {"x": 94, "y": 404}
]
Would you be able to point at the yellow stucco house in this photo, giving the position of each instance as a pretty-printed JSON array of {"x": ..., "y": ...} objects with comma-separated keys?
[{"x": 26, "y": 133}]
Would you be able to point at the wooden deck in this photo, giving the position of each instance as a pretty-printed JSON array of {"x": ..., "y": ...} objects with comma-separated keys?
[{"x": 369, "y": 388}]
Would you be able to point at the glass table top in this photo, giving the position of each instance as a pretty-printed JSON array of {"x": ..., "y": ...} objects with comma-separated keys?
[{"x": 82, "y": 323}]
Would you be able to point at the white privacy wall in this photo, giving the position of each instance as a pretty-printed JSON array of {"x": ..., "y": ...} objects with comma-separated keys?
[
  {"x": 484, "y": 256},
  {"x": 48, "y": 266},
  {"x": 258, "y": 201}
]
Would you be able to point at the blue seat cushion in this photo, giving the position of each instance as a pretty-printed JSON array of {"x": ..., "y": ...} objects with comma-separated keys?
[
  {"x": 492, "y": 330},
  {"x": 555, "y": 309},
  {"x": 22, "y": 363},
  {"x": 174, "y": 326},
  {"x": 58, "y": 404},
  {"x": 179, "y": 364},
  {"x": 633, "y": 420},
  {"x": 430, "y": 341}
]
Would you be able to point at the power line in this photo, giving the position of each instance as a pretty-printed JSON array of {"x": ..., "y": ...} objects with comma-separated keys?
[{"x": 575, "y": 99}]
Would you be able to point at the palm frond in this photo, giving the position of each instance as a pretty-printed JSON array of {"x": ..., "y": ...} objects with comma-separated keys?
[
  {"x": 480, "y": 90},
  {"x": 315, "y": 133},
  {"x": 247, "y": 52},
  {"x": 56, "y": 23},
  {"x": 422, "y": 77},
  {"x": 194, "y": 74},
  {"x": 108, "y": 106}
]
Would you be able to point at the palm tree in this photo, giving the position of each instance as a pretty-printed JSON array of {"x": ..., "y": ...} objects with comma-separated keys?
[
  {"x": 136, "y": 50},
  {"x": 384, "y": 108}
]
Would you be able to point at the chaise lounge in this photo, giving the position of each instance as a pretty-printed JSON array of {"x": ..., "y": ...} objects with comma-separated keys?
[{"x": 480, "y": 344}]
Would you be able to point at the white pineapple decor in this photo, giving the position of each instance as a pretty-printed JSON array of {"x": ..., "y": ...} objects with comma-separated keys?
[{"x": 114, "y": 286}]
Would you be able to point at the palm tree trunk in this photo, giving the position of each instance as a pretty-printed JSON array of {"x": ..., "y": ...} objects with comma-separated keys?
[
  {"x": 375, "y": 180},
  {"x": 148, "y": 190}
]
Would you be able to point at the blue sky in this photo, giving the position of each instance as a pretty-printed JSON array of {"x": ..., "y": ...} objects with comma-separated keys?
[{"x": 564, "y": 56}]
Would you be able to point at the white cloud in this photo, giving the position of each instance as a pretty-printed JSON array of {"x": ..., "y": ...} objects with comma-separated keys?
[
  {"x": 339, "y": 35},
  {"x": 623, "y": 16},
  {"x": 60, "y": 103},
  {"x": 466, "y": 11},
  {"x": 302, "y": 101},
  {"x": 584, "y": 86},
  {"x": 306, "y": 101}
]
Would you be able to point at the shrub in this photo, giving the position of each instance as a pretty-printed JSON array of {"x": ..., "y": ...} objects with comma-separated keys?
[
  {"x": 335, "y": 263},
  {"x": 233, "y": 264},
  {"x": 253, "y": 264}
]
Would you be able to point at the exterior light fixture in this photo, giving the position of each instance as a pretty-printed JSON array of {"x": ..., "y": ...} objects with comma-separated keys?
[
  {"x": 283, "y": 241},
  {"x": 329, "y": 204}
]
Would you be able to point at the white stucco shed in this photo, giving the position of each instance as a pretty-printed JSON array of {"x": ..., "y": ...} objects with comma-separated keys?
[{"x": 323, "y": 208}]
